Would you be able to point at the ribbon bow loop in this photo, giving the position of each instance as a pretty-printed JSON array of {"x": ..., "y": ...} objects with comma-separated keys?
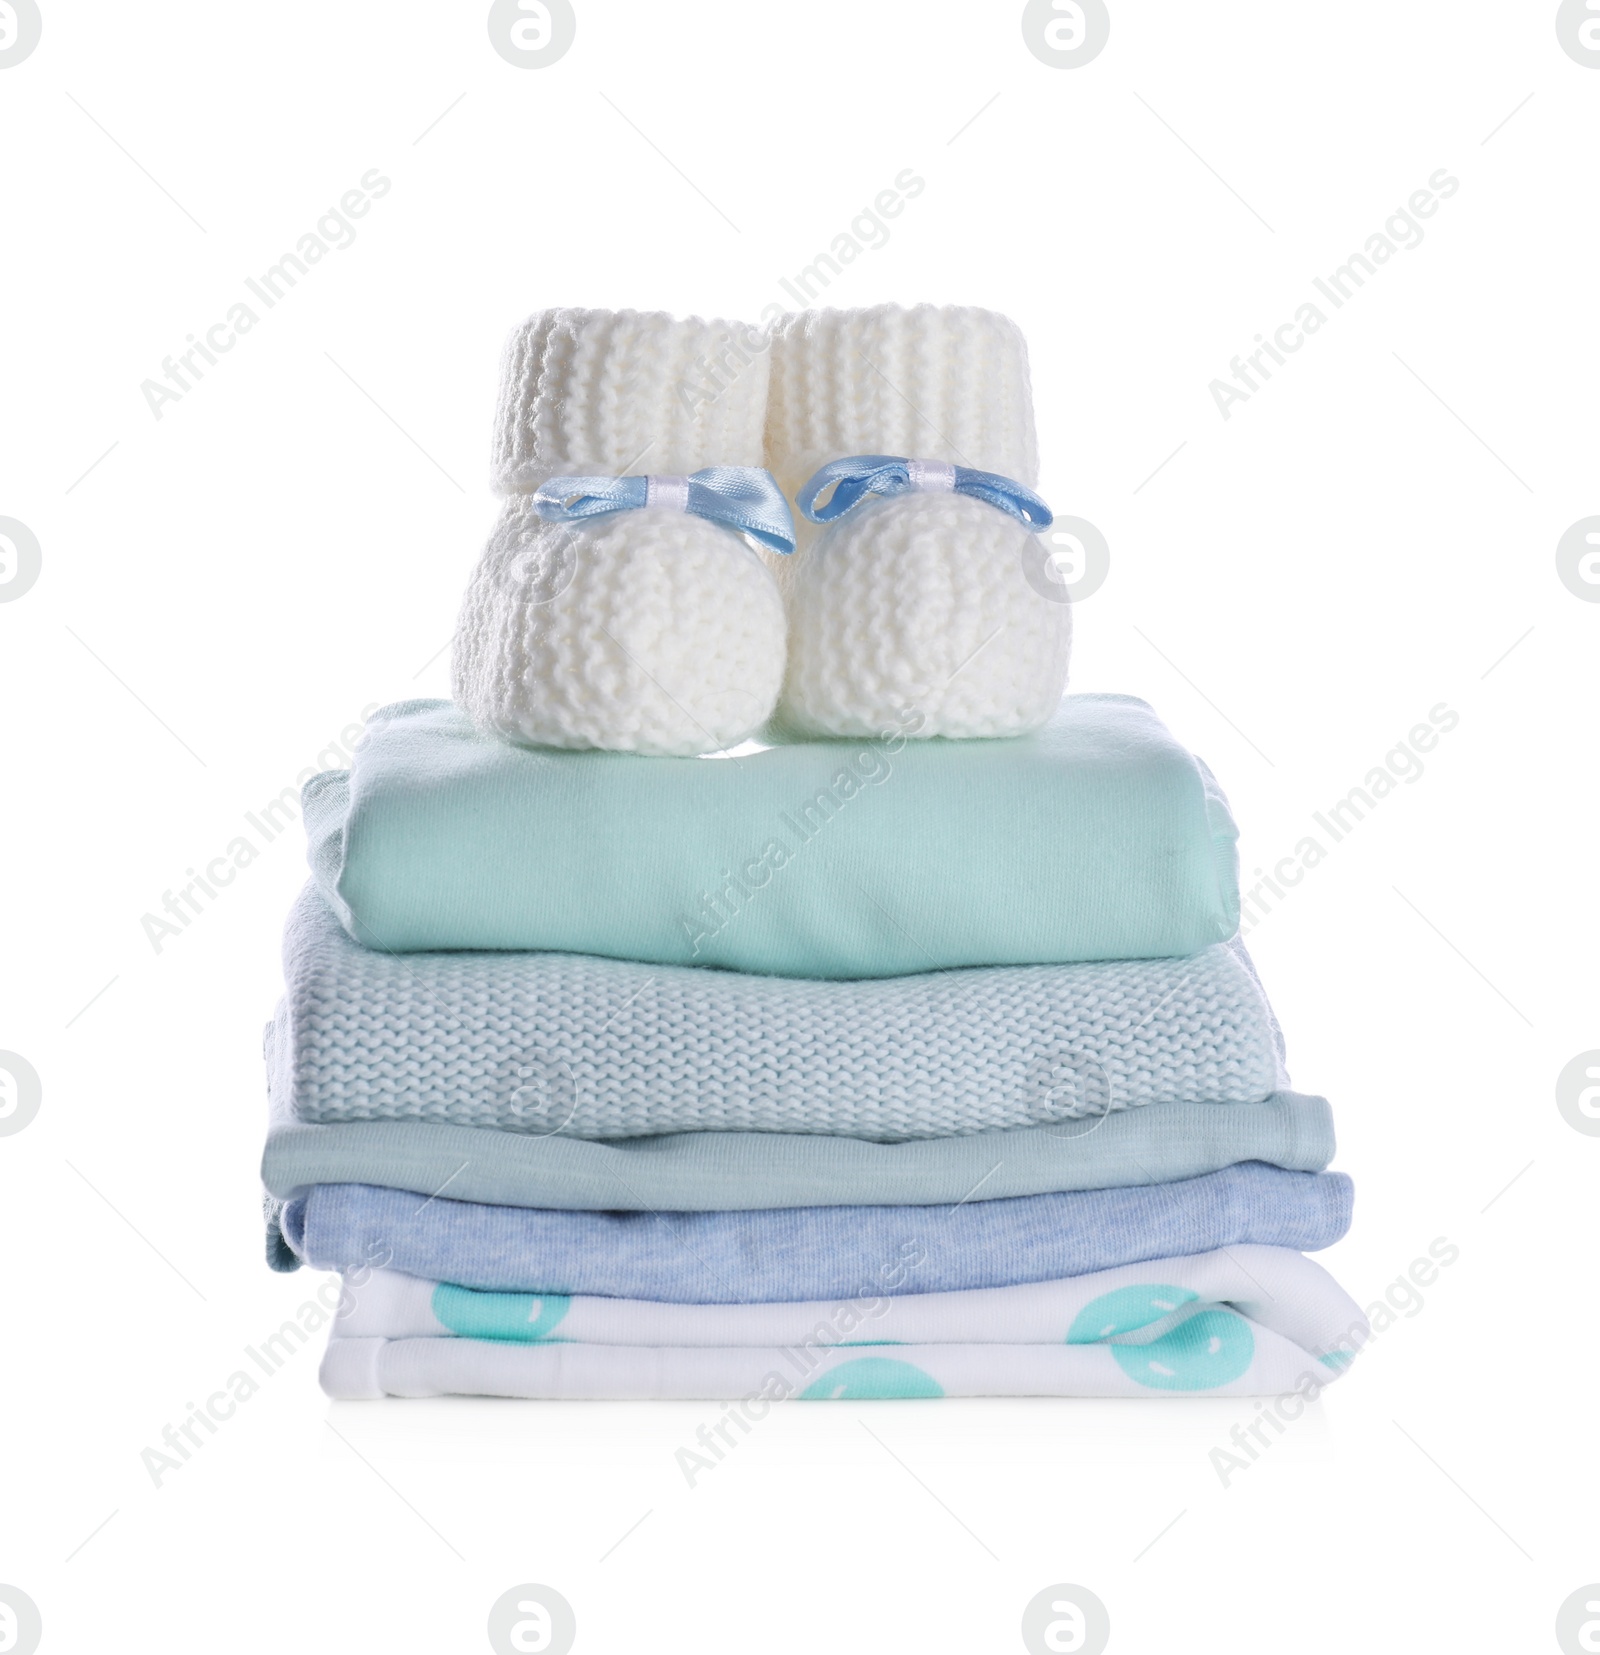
[
  {"x": 853, "y": 479},
  {"x": 743, "y": 498}
]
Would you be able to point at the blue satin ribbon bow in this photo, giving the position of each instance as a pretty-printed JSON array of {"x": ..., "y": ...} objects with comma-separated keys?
[
  {"x": 887, "y": 475},
  {"x": 740, "y": 497}
]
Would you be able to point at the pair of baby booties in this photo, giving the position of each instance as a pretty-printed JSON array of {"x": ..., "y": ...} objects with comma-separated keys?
[{"x": 654, "y": 631}]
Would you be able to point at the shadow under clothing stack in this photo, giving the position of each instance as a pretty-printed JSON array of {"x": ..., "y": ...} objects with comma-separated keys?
[{"x": 837, "y": 1069}]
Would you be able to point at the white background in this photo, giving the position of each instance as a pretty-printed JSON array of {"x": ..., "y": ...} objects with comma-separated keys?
[{"x": 230, "y": 585}]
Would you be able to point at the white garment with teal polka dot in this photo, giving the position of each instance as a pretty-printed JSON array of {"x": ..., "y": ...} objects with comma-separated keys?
[{"x": 1239, "y": 1322}]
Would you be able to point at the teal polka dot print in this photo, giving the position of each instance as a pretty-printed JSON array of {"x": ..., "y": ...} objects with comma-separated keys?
[
  {"x": 871, "y": 1377},
  {"x": 1203, "y": 1351},
  {"x": 1126, "y": 1311},
  {"x": 525, "y": 1318}
]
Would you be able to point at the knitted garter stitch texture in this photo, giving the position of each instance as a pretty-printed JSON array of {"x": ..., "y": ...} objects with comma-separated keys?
[
  {"x": 921, "y": 601},
  {"x": 606, "y": 391},
  {"x": 535, "y": 1042},
  {"x": 647, "y": 631}
]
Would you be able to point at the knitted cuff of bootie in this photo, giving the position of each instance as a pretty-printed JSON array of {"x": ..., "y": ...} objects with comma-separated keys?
[
  {"x": 647, "y": 629},
  {"x": 586, "y": 392},
  {"x": 924, "y": 612}
]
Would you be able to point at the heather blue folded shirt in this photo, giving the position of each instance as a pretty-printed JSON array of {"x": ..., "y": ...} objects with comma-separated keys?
[
  {"x": 812, "y": 1252},
  {"x": 1097, "y": 838}
]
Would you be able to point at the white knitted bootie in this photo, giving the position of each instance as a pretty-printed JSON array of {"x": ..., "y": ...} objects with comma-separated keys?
[
  {"x": 608, "y": 610},
  {"x": 930, "y": 611}
]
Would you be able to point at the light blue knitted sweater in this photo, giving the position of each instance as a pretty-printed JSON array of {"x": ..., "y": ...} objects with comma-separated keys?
[{"x": 596, "y": 1048}]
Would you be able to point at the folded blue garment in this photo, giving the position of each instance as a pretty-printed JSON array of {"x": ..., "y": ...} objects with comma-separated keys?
[
  {"x": 1097, "y": 838},
  {"x": 596, "y": 1048},
  {"x": 812, "y": 1252}
]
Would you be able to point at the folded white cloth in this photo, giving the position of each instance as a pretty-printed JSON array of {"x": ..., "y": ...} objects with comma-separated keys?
[
  {"x": 597, "y": 1048},
  {"x": 1244, "y": 1321},
  {"x": 1257, "y": 1362},
  {"x": 646, "y": 631},
  {"x": 920, "y": 603},
  {"x": 1274, "y": 1286}
]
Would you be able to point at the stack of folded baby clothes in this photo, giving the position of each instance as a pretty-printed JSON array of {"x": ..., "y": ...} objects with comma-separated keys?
[{"x": 906, "y": 1051}]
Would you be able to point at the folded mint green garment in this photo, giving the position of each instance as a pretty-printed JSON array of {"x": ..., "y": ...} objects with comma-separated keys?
[
  {"x": 731, "y": 1171},
  {"x": 1097, "y": 838}
]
